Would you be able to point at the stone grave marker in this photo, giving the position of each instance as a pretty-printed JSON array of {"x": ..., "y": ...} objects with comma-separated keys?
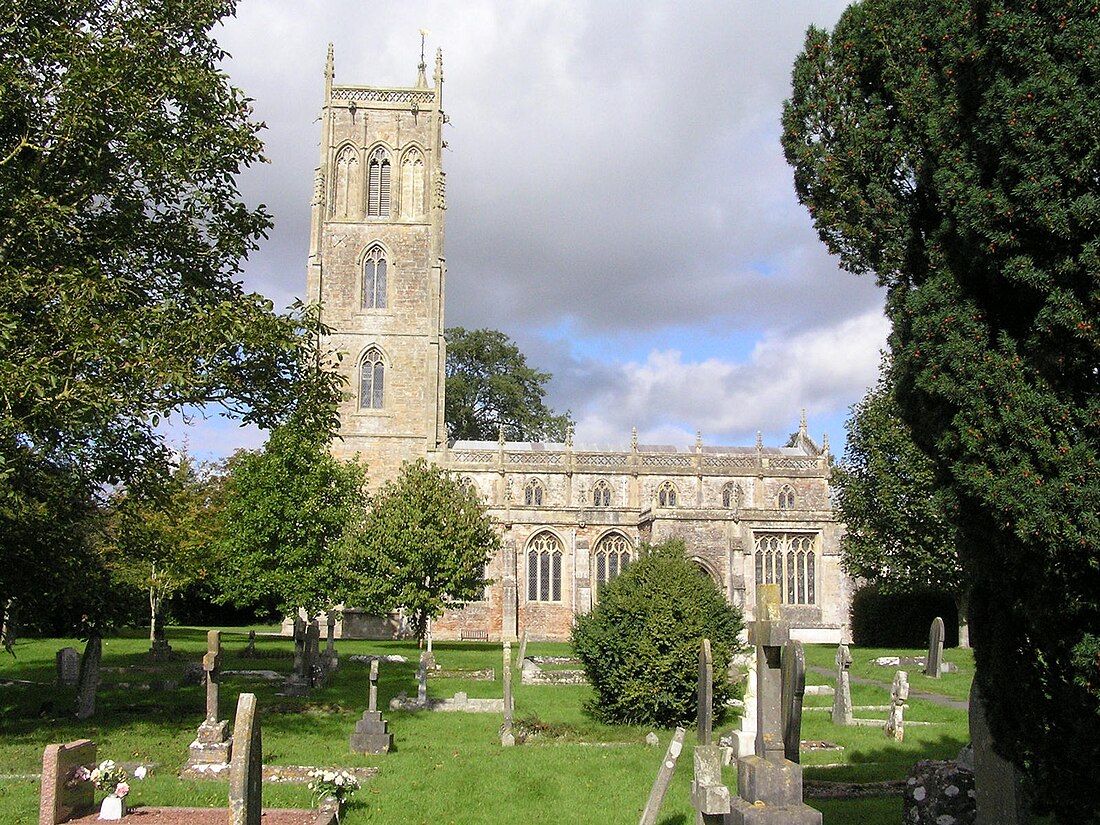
[
  {"x": 933, "y": 664},
  {"x": 330, "y": 660},
  {"x": 249, "y": 651},
  {"x": 522, "y": 649},
  {"x": 793, "y": 674},
  {"x": 709, "y": 796},
  {"x": 372, "y": 733},
  {"x": 300, "y": 679},
  {"x": 705, "y": 697},
  {"x": 246, "y": 769},
  {"x": 64, "y": 795},
  {"x": 212, "y": 746},
  {"x": 372, "y": 703},
  {"x": 422, "y": 681},
  {"x": 842, "y": 695},
  {"x": 769, "y": 785},
  {"x": 664, "y": 777},
  {"x": 997, "y": 783},
  {"x": 507, "y": 739},
  {"x": 68, "y": 667},
  {"x": 312, "y": 655},
  {"x": 88, "y": 681},
  {"x": 899, "y": 693}
]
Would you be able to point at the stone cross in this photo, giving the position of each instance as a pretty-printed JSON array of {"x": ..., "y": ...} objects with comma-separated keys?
[
  {"x": 793, "y": 672},
  {"x": 705, "y": 698},
  {"x": 330, "y": 643},
  {"x": 311, "y": 652},
  {"x": 842, "y": 695},
  {"x": 246, "y": 768},
  {"x": 250, "y": 650},
  {"x": 507, "y": 739},
  {"x": 664, "y": 777},
  {"x": 212, "y": 667},
  {"x": 770, "y": 633},
  {"x": 932, "y": 665},
  {"x": 299, "y": 645},
  {"x": 373, "y": 703},
  {"x": 899, "y": 692}
]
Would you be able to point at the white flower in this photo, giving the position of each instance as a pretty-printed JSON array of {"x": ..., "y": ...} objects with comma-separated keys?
[{"x": 141, "y": 771}]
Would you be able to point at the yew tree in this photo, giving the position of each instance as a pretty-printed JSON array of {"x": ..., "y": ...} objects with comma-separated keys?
[{"x": 950, "y": 149}]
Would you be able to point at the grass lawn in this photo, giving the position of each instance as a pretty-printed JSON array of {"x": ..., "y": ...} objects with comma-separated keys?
[{"x": 446, "y": 767}]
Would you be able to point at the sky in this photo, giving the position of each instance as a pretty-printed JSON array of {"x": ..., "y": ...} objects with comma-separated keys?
[{"x": 618, "y": 202}]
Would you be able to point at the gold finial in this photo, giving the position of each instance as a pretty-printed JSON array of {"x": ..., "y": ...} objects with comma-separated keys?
[
  {"x": 421, "y": 77},
  {"x": 634, "y": 439}
]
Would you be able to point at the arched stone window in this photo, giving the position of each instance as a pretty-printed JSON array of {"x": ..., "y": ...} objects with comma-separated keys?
[
  {"x": 786, "y": 497},
  {"x": 789, "y": 560},
  {"x": 374, "y": 278},
  {"x": 378, "y": 184},
  {"x": 533, "y": 493},
  {"x": 544, "y": 555},
  {"x": 412, "y": 184},
  {"x": 372, "y": 378},
  {"x": 612, "y": 555},
  {"x": 666, "y": 494},
  {"x": 731, "y": 496},
  {"x": 601, "y": 494},
  {"x": 346, "y": 179}
]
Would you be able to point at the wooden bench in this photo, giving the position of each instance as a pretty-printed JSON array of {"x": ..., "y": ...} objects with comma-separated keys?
[{"x": 474, "y": 636}]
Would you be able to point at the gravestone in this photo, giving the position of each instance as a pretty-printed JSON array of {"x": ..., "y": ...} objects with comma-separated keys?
[
  {"x": 997, "y": 782},
  {"x": 330, "y": 660},
  {"x": 63, "y": 794},
  {"x": 68, "y": 667},
  {"x": 312, "y": 656},
  {"x": 507, "y": 739},
  {"x": 300, "y": 679},
  {"x": 522, "y": 649},
  {"x": 422, "y": 682},
  {"x": 664, "y": 777},
  {"x": 769, "y": 785},
  {"x": 211, "y": 746},
  {"x": 842, "y": 694},
  {"x": 899, "y": 693},
  {"x": 705, "y": 697},
  {"x": 934, "y": 661},
  {"x": 372, "y": 733},
  {"x": 249, "y": 651},
  {"x": 88, "y": 681},
  {"x": 793, "y": 673},
  {"x": 246, "y": 769}
]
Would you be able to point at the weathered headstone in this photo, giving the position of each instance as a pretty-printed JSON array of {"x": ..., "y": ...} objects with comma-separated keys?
[
  {"x": 664, "y": 777},
  {"x": 68, "y": 667},
  {"x": 88, "y": 682},
  {"x": 373, "y": 699},
  {"x": 933, "y": 663},
  {"x": 300, "y": 678},
  {"x": 769, "y": 785},
  {"x": 64, "y": 795},
  {"x": 211, "y": 746},
  {"x": 372, "y": 733},
  {"x": 246, "y": 769},
  {"x": 842, "y": 694},
  {"x": 422, "y": 682},
  {"x": 522, "y": 649},
  {"x": 249, "y": 651},
  {"x": 312, "y": 655},
  {"x": 899, "y": 693},
  {"x": 793, "y": 673},
  {"x": 709, "y": 796},
  {"x": 330, "y": 660},
  {"x": 507, "y": 739},
  {"x": 997, "y": 782},
  {"x": 705, "y": 697}
]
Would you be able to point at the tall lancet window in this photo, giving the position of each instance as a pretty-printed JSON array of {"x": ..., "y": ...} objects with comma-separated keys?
[
  {"x": 378, "y": 190},
  {"x": 412, "y": 184},
  {"x": 372, "y": 376},
  {"x": 374, "y": 279},
  {"x": 348, "y": 198}
]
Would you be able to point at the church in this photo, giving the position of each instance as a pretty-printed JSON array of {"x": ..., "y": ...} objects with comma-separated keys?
[{"x": 570, "y": 516}]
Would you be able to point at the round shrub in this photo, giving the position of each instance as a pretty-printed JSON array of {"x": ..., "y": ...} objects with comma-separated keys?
[{"x": 640, "y": 644}]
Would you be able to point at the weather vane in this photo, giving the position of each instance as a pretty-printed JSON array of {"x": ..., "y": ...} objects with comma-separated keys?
[{"x": 423, "y": 33}]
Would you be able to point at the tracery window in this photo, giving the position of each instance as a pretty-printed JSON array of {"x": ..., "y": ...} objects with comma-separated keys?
[
  {"x": 786, "y": 497},
  {"x": 612, "y": 555},
  {"x": 533, "y": 493},
  {"x": 412, "y": 184},
  {"x": 601, "y": 494},
  {"x": 347, "y": 183},
  {"x": 789, "y": 560},
  {"x": 666, "y": 494},
  {"x": 372, "y": 374},
  {"x": 544, "y": 555},
  {"x": 374, "y": 278},
  {"x": 378, "y": 184},
  {"x": 731, "y": 496}
]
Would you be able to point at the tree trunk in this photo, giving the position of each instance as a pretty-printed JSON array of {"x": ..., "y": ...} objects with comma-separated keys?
[
  {"x": 962, "y": 606},
  {"x": 154, "y": 612},
  {"x": 89, "y": 677}
]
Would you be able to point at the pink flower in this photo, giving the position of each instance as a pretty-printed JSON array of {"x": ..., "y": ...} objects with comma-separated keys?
[{"x": 121, "y": 789}]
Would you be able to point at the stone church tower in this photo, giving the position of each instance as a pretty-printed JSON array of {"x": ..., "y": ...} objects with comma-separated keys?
[{"x": 376, "y": 265}]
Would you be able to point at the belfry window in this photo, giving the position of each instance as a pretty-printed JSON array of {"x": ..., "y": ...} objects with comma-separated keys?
[
  {"x": 790, "y": 561},
  {"x": 544, "y": 557},
  {"x": 601, "y": 494},
  {"x": 612, "y": 555},
  {"x": 372, "y": 375},
  {"x": 666, "y": 494},
  {"x": 731, "y": 496},
  {"x": 533, "y": 493},
  {"x": 412, "y": 185},
  {"x": 786, "y": 497},
  {"x": 374, "y": 279},
  {"x": 378, "y": 184}
]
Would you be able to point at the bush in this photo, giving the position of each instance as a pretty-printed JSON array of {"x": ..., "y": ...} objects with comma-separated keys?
[
  {"x": 901, "y": 619},
  {"x": 640, "y": 644}
]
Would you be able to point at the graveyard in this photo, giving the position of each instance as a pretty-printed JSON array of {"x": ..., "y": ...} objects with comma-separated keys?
[{"x": 446, "y": 759}]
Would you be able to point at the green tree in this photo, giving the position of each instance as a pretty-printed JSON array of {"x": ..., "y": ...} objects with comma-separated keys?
[
  {"x": 423, "y": 546},
  {"x": 951, "y": 149},
  {"x": 900, "y": 522},
  {"x": 490, "y": 387},
  {"x": 640, "y": 644},
  {"x": 285, "y": 507}
]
